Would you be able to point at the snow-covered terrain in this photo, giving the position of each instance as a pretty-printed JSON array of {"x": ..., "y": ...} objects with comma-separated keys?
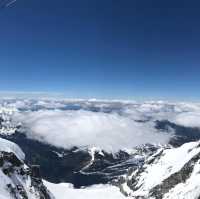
[
  {"x": 17, "y": 181},
  {"x": 95, "y": 143},
  {"x": 169, "y": 173},
  {"x": 166, "y": 174},
  {"x": 64, "y": 191},
  {"x": 11, "y": 147},
  {"x": 7, "y": 126}
]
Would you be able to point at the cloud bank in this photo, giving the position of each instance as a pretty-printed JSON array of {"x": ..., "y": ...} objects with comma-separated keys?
[
  {"x": 109, "y": 131},
  {"x": 110, "y": 125},
  {"x": 188, "y": 119}
]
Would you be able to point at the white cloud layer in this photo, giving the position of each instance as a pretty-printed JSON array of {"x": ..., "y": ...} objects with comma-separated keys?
[
  {"x": 188, "y": 119},
  {"x": 110, "y": 125},
  {"x": 81, "y": 128}
]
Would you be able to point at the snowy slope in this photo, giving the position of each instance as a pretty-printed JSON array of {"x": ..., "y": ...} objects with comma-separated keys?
[
  {"x": 64, "y": 191},
  {"x": 170, "y": 173},
  {"x": 189, "y": 189},
  {"x": 11, "y": 147},
  {"x": 17, "y": 181}
]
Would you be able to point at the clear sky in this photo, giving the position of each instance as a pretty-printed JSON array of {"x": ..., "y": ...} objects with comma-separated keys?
[{"x": 102, "y": 48}]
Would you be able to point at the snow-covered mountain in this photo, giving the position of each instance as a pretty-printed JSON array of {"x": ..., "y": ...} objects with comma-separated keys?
[
  {"x": 168, "y": 174},
  {"x": 17, "y": 180},
  {"x": 7, "y": 126},
  {"x": 104, "y": 145}
]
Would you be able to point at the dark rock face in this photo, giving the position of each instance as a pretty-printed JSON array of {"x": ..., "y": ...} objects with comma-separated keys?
[
  {"x": 35, "y": 171},
  {"x": 1, "y": 121},
  {"x": 14, "y": 168},
  {"x": 11, "y": 158}
]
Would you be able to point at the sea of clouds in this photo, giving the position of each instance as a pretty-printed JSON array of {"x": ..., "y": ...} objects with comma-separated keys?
[
  {"x": 108, "y": 131},
  {"x": 109, "y": 125}
]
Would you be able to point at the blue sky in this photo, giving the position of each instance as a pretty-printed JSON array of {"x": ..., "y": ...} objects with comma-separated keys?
[{"x": 105, "y": 49}]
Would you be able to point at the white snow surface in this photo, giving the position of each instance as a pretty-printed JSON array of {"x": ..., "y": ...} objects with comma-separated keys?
[
  {"x": 11, "y": 147},
  {"x": 170, "y": 162},
  {"x": 4, "y": 180},
  {"x": 188, "y": 190},
  {"x": 65, "y": 191},
  {"x": 15, "y": 178}
]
